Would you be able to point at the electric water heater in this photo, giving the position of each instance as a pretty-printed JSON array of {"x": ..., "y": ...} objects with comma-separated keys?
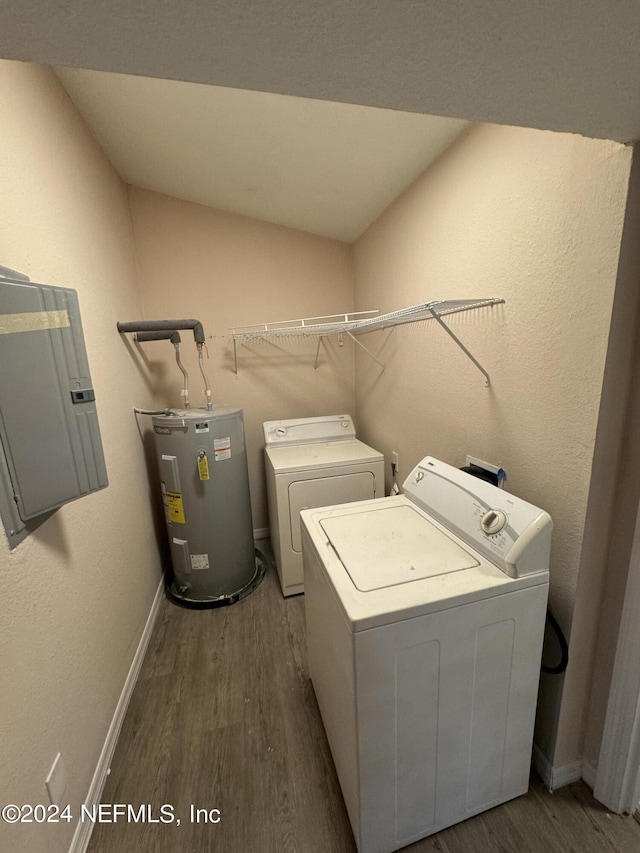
[{"x": 202, "y": 461}]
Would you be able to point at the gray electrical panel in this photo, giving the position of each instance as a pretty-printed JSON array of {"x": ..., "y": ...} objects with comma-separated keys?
[{"x": 52, "y": 450}]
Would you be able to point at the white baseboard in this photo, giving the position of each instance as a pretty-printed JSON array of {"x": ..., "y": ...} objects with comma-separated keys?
[
  {"x": 261, "y": 533},
  {"x": 589, "y": 772},
  {"x": 566, "y": 774},
  {"x": 82, "y": 834},
  {"x": 555, "y": 777}
]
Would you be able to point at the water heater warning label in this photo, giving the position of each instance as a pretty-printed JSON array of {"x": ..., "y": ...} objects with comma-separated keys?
[
  {"x": 203, "y": 466},
  {"x": 175, "y": 507},
  {"x": 199, "y": 562},
  {"x": 222, "y": 448},
  {"x": 202, "y": 427}
]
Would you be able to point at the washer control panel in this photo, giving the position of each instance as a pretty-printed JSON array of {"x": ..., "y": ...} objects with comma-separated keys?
[
  {"x": 511, "y": 533},
  {"x": 493, "y": 521},
  {"x": 491, "y": 526}
]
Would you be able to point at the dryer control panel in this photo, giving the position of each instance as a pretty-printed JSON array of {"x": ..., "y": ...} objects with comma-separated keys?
[
  {"x": 511, "y": 533},
  {"x": 308, "y": 430}
]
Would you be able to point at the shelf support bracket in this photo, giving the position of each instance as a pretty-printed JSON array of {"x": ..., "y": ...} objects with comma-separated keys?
[
  {"x": 235, "y": 357},
  {"x": 437, "y": 317},
  {"x": 368, "y": 351},
  {"x": 315, "y": 366}
]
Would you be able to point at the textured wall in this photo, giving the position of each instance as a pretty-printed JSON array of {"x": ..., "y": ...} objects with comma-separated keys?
[
  {"x": 620, "y": 415},
  {"x": 227, "y": 271},
  {"x": 77, "y": 593},
  {"x": 536, "y": 218}
]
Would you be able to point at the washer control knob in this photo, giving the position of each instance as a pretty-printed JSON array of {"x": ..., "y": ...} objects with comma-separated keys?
[
  {"x": 344, "y": 425},
  {"x": 493, "y": 521},
  {"x": 419, "y": 476},
  {"x": 281, "y": 431}
]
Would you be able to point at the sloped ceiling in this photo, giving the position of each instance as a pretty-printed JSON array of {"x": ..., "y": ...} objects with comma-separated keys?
[
  {"x": 572, "y": 65},
  {"x": 319, "y": 166}
]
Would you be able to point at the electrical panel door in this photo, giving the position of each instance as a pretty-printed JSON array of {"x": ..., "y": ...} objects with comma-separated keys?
[{"x": 48, "y": 421}]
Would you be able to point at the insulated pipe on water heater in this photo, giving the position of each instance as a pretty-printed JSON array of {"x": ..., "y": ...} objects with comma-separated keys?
[
  {"x": 150, "y": 326},
  {"x": 207, "y": 389},
  {"x": 164, "y": 326},
  {"x": 174, "y": 337},
  {"x": 170, "y": 335}
]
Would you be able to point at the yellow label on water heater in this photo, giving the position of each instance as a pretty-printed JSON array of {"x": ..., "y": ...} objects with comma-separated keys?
[
  {"x": 176, "y": 507},
  {"x": 203, "y": 466}
]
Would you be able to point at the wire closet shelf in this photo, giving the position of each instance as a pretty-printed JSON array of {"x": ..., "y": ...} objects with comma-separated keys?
[{"x": 357, "y": 323}]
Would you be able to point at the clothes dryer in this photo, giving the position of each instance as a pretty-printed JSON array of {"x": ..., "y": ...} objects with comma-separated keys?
[
  {"x": 313, "y": 462},
  {"x": 425, "y": 617}
]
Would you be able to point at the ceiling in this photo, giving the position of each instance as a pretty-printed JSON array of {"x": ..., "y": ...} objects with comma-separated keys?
[
  {"x": 319, "y": 166},
  {"x": 569, "y": 66}
]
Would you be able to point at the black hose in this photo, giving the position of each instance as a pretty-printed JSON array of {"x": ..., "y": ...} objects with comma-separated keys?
[
  {"x": 564, "y": 648},
  {"x": 481, "y": 473}
]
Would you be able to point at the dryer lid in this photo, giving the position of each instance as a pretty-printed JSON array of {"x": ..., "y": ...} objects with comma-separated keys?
[
  {"x": 393, "y": 545},
  {"x": 331, "y": 454}
]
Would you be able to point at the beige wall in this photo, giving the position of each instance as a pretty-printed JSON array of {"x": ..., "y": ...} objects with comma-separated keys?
[
  {"x": 226, "y": 271},
  {"x": 535, "y": 218},
  {"x": 620, "y": 414},
  {"x": 76, "y": 594}
]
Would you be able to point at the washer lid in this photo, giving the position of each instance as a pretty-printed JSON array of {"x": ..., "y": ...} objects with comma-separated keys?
[{"x": 393, "y": 545}]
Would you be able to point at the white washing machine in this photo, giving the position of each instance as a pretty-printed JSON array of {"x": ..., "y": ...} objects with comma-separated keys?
[
  {"x": 425, "y": 617},
  {"x": 312, "y": 462}
]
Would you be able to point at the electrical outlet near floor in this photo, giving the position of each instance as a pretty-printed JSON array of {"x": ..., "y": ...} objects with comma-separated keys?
[
  {"x": 56, "y": 781},
  {"x": 394, "y": 459}
]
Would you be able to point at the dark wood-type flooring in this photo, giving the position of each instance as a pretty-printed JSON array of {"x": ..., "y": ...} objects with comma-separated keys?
[{"x": 224, "y": 717}]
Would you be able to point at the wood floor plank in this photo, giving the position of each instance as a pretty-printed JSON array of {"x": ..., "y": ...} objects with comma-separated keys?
[{"x": 224, "y": 717}]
